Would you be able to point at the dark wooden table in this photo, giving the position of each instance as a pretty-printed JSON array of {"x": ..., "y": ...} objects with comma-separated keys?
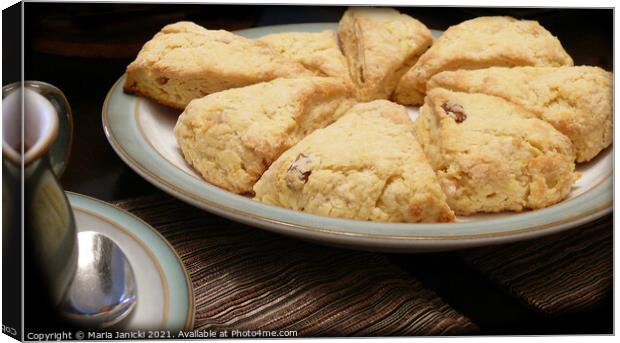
[{"x": 84, "y": 48}]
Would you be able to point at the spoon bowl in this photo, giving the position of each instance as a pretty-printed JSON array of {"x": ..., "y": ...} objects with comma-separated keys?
[{"x": 103, "y": 291}]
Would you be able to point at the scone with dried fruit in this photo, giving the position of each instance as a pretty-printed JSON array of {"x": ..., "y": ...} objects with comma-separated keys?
[
  {"x": 185, "y": 61},
  {"x": 316, "y": 51},
  {"x": 577, "y": 101},
  {"x": 367, "y": 166},
  {"x": 380, "y": 45},
  {"x": 482, "y": 43},
  {"x": 491, "y": 155},
  {"x": 231, "y": 137}
]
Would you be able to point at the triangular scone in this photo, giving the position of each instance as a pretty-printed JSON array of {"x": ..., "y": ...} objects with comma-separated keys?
[
  {"x": 491, "y": 155},
  {"x": 316, "y": 51},
  {"x": 366, "y": 166},
  {"x": 185, "y": 61},
  {"x": 481, "y": 43},
  {"x": 577, "y": 101},
  {"x": 380, "y": 45},
  {"x": 231, "y": 137}
]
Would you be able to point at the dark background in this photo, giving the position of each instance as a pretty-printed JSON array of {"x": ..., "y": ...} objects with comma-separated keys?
[{"x": 84, "y": 48}]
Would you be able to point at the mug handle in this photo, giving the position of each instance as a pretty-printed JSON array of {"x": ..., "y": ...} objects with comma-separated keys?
[{"x": 61, "y": 148}]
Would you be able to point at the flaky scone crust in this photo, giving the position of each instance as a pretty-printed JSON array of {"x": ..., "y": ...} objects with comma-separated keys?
[
  {"x": 231, "y": 137},
  {"x": 366, "y": 166},
  {"x": 577, "y": 101},
  {"x": 481, "y": 43},
  {"x": 491, "y": 155},
  {"x": 185, "y": 61},
  {"x": 316, "y": 51},
  {"x": 380, "y": 45}
]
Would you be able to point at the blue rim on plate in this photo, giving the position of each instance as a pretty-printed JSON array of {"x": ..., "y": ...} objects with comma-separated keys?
[
  {"x": 123, "y": 133},
  {"x": 179, "y": 295}
]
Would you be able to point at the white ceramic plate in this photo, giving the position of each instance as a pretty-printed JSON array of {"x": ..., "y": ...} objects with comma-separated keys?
[
  {"x": 165, "y": 296},
  {"x": 140, "y": 131}
]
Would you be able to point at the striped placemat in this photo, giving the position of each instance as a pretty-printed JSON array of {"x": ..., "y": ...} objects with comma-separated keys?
[
  {"x": 250, "y": 279},
  {"x": 565, "y": 273}
]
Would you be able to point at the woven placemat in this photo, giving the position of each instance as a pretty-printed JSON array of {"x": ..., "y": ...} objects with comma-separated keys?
[
  {"x": 560, "y": 274},
  {"x": 250, "y": 279}
]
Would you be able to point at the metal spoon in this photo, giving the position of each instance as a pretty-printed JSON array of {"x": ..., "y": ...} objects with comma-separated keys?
[{"x": 103, "y": 291}]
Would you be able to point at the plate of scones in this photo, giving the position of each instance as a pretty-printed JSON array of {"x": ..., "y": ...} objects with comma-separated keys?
[{"x": 374, "y": 132}]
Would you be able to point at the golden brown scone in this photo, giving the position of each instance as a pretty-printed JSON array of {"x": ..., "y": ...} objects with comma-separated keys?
[
  {"x": 367, "y": 166},
  {"x": 481, "y": 43},
  {"x": 316, "y": 51},
  {"x": 231, "y": 137},
  {"x": 185, "y": 61},
  {"x": 491, "y": 155},
  {"x": 577, "y": 101},
  {"x": 380, "y": 45}
]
